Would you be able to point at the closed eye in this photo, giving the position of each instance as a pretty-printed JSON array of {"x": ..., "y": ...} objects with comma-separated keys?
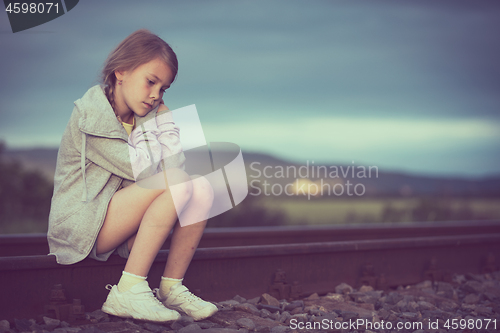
[{"x": 152, "y": 83}]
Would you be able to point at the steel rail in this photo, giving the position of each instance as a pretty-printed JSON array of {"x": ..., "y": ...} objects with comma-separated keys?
[
  {"x": 219, "y": 273},
  {"x": 36, "y": 244}
]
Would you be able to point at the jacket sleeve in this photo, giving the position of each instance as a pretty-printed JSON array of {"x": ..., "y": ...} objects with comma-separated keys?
[
  {"x": 171, "y": 149},
  {"x": 145, "y": 149},
  {"x": 114, "y": 154}
]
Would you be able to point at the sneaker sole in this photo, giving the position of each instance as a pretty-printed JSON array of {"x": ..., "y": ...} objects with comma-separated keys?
[
  {"x": 110, "y": 311},
  {"x": 195, "y": 319}
]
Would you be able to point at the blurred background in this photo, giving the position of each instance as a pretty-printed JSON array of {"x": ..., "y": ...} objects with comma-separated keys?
[{"x": 346, "y": 111}]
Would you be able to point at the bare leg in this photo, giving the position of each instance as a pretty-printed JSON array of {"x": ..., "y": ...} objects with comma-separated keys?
[
  {"x": 148, "y": 212},
  {"x": 183, "y": 245},
  {"x": 185, "y": 239},
  {"x": 146, "y": 216}
]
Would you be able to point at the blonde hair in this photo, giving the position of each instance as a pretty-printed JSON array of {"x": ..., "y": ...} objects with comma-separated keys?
[{"x": 138, "y": 48}]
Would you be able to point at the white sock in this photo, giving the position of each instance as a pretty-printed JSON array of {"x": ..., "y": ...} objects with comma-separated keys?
[
  {"x": 128, "y": 280},
  {"x": 165, "y": 285}
]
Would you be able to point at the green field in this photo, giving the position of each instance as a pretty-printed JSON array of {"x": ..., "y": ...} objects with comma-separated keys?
[
  {"x": 368, "y": 210},
  {"x": 265, "y": 211}
]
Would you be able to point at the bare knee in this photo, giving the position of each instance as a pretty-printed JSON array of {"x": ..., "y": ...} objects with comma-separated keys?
[
  {"x": 203, "y": 193},
  {"x": 179, "y": 185}
]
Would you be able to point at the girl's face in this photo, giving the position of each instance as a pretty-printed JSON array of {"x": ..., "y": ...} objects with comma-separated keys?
[{"x": 142, "y": 89}]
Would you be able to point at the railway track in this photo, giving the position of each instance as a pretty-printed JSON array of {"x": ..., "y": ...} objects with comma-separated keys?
[
  {"x": 251, "y": 261},
  {"x": 36, "y": 244}
]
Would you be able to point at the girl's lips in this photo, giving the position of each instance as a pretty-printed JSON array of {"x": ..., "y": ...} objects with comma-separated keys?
[{"x": 149, "y": 106}]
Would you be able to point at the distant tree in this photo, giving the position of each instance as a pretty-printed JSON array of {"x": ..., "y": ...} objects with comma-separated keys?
[
  {"x": 441, "y": 209},
  {"x": 23, "y": 193},
  {"x": 392, "y": 214},
  {"x": 430, "y": 209}
]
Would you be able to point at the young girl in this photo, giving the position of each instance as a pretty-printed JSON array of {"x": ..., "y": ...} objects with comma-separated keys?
[{"x": 99, "y": 207}]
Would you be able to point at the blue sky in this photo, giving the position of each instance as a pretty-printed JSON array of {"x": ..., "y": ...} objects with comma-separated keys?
[{"x": 404, "y": 85}]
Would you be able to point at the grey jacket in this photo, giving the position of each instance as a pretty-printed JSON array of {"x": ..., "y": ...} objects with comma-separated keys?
[{"x": 93, "y": 162}]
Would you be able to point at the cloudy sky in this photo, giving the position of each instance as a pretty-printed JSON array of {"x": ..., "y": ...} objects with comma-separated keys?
[{"x": 404, "y": 85}]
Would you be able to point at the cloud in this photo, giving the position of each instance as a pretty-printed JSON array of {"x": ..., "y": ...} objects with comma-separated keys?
[
  {"x": 424, "y": 145},
  {"x": 406, "y": 77},
  {"x": 357, "y": 134}
]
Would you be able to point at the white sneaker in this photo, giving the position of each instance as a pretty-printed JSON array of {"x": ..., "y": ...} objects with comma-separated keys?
[
  {"x": 181, "y": 299},
  {"x": 138, "y": 303}
]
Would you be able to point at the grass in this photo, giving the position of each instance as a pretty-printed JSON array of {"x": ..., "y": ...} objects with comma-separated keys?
[
  {"x": 366, "y": 210},
  {"x": 329, "y": 211}
]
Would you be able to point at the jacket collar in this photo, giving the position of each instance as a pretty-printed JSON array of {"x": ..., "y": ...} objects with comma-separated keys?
[{"x": 97, "y": 116}]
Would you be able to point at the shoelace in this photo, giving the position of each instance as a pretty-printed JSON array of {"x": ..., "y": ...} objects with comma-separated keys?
[
  {"x": 156, "y": 292},
  {"x": 153, "y": 295},
  {"x": 190, "y": 296},
  {"x": 186, "y": 294}
]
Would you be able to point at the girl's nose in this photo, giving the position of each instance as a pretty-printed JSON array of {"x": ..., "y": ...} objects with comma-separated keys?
[{"x": 155, "y": 95}]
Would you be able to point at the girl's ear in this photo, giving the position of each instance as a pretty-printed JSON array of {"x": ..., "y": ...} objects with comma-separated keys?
[{"x": 119, "y": 75}]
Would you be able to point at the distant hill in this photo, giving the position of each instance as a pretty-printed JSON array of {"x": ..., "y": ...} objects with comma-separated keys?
[
  {"x": 386, "y": 184},
  {"x": 41, "y": 159}
]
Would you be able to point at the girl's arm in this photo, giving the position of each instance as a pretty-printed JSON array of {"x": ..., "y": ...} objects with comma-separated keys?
[
  {"x": 145, "y": 149},
  {"x": 171, "y": 148},
  {"x": 113, "y": 154}
]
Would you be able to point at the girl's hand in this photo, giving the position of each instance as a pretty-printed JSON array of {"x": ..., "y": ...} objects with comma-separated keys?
[{"x": 162, "y": 107}]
